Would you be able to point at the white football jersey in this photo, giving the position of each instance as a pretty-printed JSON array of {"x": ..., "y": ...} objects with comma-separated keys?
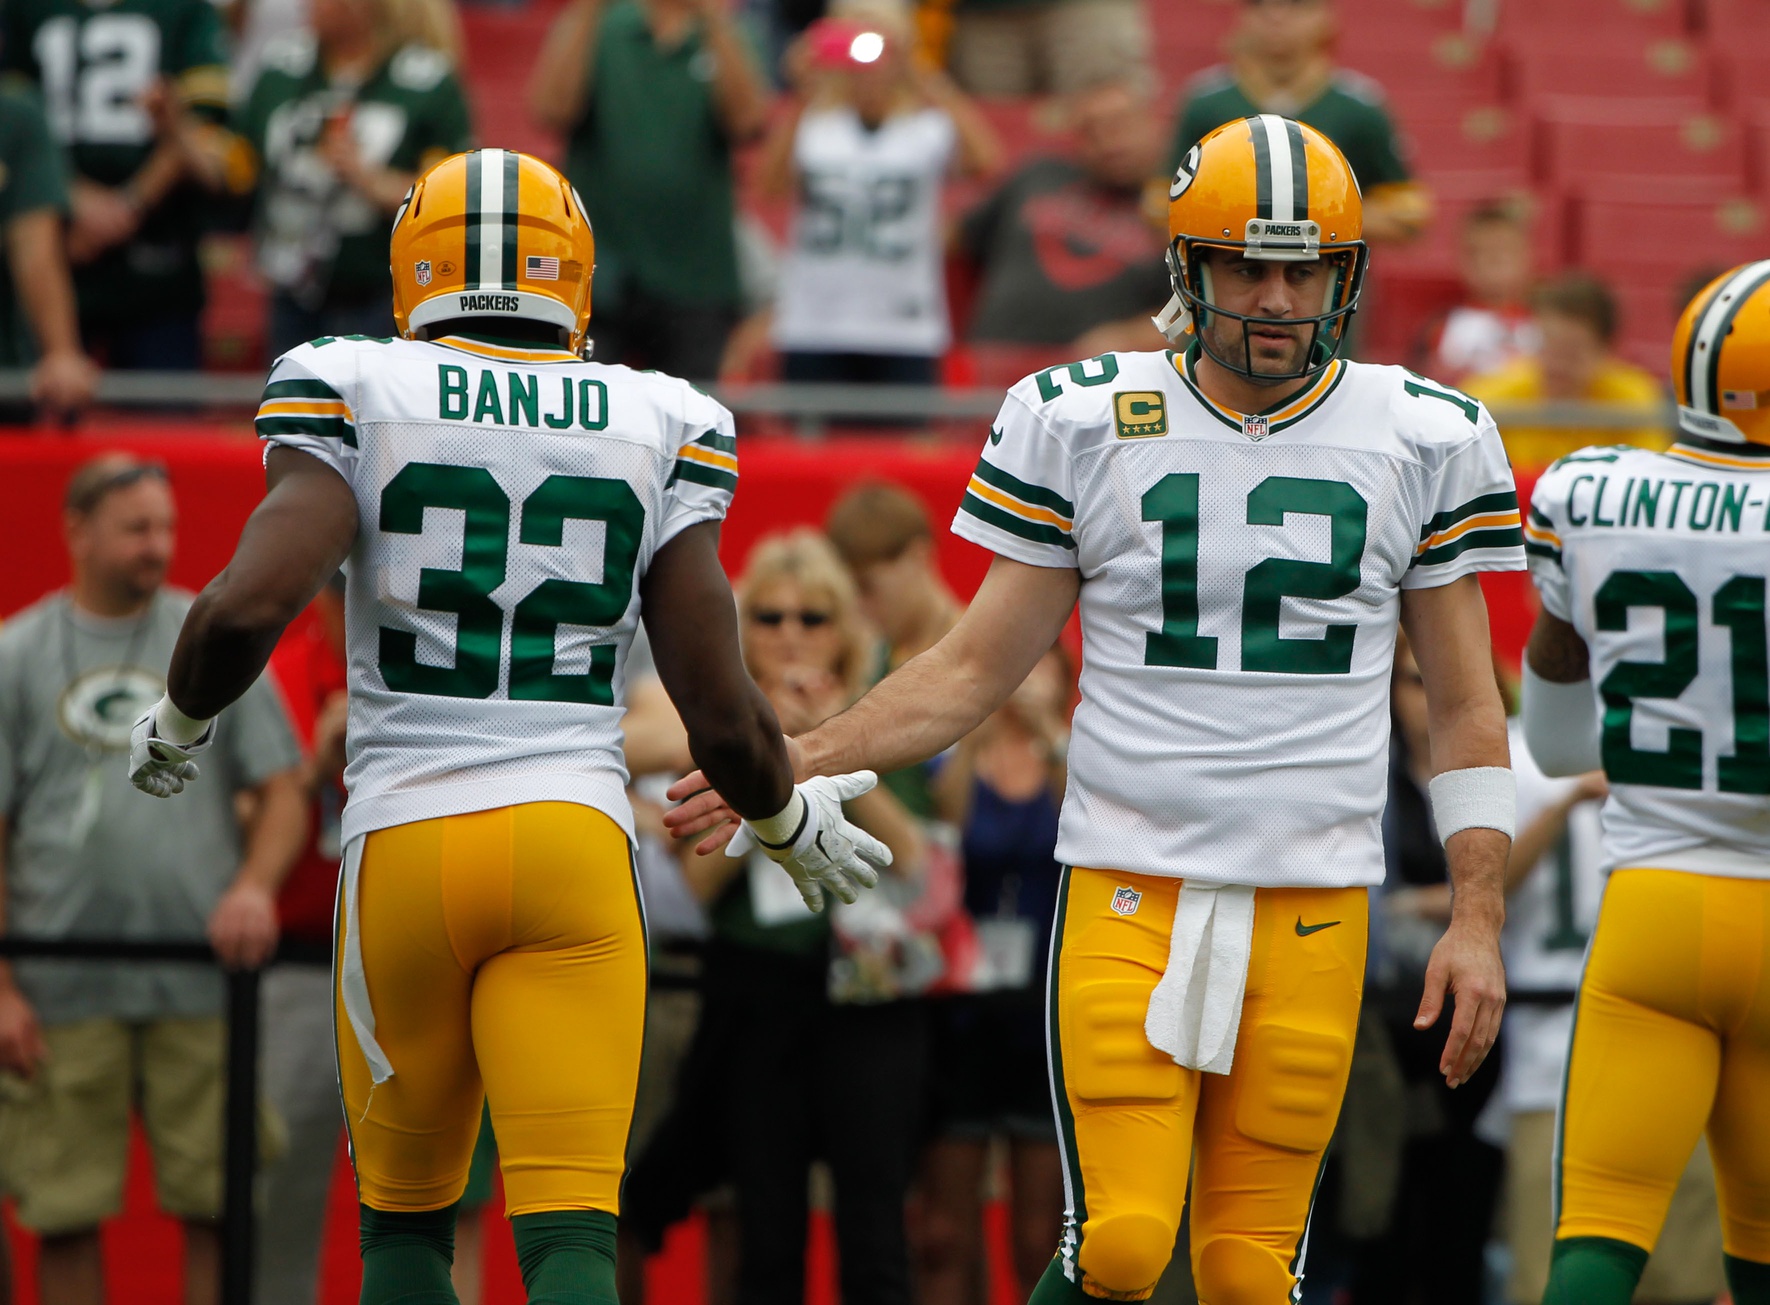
[
  {"x": 1659, "y": 561},
  {"x": 1549, "y": 920},
  {"x": 509, "y": 500},
  {"x": 1241, "y": 586},
  {"x": 866, "y": 269}
]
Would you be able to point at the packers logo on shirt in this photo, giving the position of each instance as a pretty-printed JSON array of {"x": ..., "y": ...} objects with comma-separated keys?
[
  {"x": 1140, "y": 413},
  {"x": 100, "y": 707}
]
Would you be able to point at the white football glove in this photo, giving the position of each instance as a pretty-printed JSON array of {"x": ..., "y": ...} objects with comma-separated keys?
[
  {"x": 157, "y": 766},
  {"x": 823, "y": 850}
]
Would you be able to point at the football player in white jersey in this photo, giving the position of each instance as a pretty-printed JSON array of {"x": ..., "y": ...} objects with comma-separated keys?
[
  {"x": 506, "y": 512},
  {"x": 1650, "y": 659},
  {"x": 1244, "y": 522}
]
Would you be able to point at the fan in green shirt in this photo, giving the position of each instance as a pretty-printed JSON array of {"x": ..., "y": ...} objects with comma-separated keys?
[
  {"x": 653, "y": 95},
  {"x": 336, "y": 149},
  {"x": 37, "y": 323},
  {"x": 1283, "y": 67},
  {"x": 106, "y": 73}
]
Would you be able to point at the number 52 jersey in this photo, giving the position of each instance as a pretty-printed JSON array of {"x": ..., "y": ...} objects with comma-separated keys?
[
  {"x": 1241, "y": 581},
  {"x": 508, "y": 500},
  {"x": 1659, "y": 561}
]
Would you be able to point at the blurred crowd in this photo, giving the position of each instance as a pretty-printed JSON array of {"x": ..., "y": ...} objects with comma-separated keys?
[
  {"x": 883, "y": 1062},
  {"x": 806, "y": 190}
]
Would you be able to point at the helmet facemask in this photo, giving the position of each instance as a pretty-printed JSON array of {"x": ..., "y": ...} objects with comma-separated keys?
[{"x": 1190, "y": 274}]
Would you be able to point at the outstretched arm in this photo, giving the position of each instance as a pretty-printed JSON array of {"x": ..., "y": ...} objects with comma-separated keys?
[
  {"x": 733, "y": 734},
  {"x": 936, "y": 699},
  {"x": 931, "y": 701},
  {"x": 294, "y": 541},
  {"x": 1466, "y": 719}
]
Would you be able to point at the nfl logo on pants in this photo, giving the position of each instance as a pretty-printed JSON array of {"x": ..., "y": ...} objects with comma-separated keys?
[{"x": 1126, "y": 900}]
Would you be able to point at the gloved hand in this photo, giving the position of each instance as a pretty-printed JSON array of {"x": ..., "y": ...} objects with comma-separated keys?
[
  {"x": 158, "y": 766},
  {"x": 824, "y": 850}
]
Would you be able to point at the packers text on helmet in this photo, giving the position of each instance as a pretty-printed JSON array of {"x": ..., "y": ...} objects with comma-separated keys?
[
  {"x": 1271, "y": 190},
  {"x": 492, "y": 233},
  {"x": 1721, "y": 358}
]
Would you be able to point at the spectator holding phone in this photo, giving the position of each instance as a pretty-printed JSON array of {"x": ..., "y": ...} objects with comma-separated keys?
[{"x": 865, "y": 153}]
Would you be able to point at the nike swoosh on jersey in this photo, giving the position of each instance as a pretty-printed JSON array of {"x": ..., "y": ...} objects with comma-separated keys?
[{"x": 1304, "y": 930}]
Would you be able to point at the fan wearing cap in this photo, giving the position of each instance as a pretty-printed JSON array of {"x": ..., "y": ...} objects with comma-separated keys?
[
  {"x": 1649, "y": 661},
  {"x": 1246, "y": 522}
]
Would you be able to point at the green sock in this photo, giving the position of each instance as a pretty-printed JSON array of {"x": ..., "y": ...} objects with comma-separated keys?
[
  {"x": 1749, "y": 1281},
  {"x": 567, "y": 1257},
  {"x": 1055, "y": 1289},
  {"x": 406, "y": 1257},
  {"x": 1594, "y": 1271}
]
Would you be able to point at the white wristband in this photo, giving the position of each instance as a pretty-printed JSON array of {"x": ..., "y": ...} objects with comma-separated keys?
[
  {"x": 782, "y": 828},
  {"x": 174, "y": 726},
  {"x": 1479, "y": 797}
]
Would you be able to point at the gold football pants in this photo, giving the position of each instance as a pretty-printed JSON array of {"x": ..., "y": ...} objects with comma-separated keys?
[
  {"x": 1672, "y": 1037},
  {"x": 1134, "y": 1124},
  {"x": 504, "y": 953}
]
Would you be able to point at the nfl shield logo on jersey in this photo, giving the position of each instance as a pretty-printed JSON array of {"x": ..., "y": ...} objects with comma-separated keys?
[
  {"x": 1255, "y": 427},
  {"x": 1126, "y": 900},
  {"x": 422, "y": 269}
]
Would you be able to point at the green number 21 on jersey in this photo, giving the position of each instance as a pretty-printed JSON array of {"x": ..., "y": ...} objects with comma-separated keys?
[{"x": 485, "y": 547}]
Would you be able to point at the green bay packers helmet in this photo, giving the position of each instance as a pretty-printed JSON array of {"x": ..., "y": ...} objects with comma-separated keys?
[
  {"x": 1275, "y": 190},
  {"x": 1721, "y": 358}
]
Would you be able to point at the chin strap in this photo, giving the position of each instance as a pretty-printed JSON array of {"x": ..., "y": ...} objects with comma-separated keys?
[{"x": 1174, "y": 320}]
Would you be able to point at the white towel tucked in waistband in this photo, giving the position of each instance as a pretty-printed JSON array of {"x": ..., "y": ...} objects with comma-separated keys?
[
  {"x": 351, "y": 981},
  {"x": 1195, "y": 1011}
]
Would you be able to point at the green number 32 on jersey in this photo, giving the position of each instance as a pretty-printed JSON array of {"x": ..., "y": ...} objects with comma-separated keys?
[{"x": 467, "y": 591}]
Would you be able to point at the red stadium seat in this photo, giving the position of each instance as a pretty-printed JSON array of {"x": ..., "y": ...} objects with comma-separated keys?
[
  {"x": 1665, "y": 68},
  {"x": 1545, "y": 22},
  {"x": 1757, "y": 136},
  {"x": 1582, "y": 140},
  {"x": 1450, "y": 137},
  {"x": 500, "y": 49},
  {"x": 1738, "y": 25},
  {"x": 1425, "y": 71}
]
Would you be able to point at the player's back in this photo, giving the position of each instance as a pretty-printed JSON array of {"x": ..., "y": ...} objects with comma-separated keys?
[
  {"x": 509, "y": 497},
  {"x": 1659, "y": 561}
]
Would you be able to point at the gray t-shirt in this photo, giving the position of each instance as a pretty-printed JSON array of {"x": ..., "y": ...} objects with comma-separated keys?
[{"x": 86, "y": 854}]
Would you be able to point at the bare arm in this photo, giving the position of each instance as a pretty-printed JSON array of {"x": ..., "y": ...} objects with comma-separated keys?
[
  {"x": 1556, "y": 652},
  {"x": 1466, "y": 719},
  {"x": 980, "y": 152},
  {"x": 928, "y": 703},
  {"x": 774, "y": 169},
  {"x": 934, "y": 700},
  {"x": 733, "y": 733},
  {"x": 294, "y": 541},
  {"x": 652, "y": 735},
  {"x": 954, "y": 785},
  {"x": 243, "y": 926},
  {"x": 64, "y": 377},
  {"x": 559, "y": 87},
  {"x": 740, "y": 96},
  {"x": 1536, "y": 838},
  {"x": 22, "y": 1047}
]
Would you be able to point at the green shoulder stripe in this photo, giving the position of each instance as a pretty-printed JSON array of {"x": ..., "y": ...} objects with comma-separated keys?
[
  {"x": 990, "y": 514},
  {"x": 1501, "y": 537},
  {"x": 1548, "y": 552},
  {"x": 325, "y": 428},
  {"x": 993, "y": 475},
  {"x": 300, "y": 388},
  {"x": 701, "y": 474},
  {"x": 1505, "y": 500},
  {"x": 723, "y": 443},
  {"x": 1540, "y": 519}
]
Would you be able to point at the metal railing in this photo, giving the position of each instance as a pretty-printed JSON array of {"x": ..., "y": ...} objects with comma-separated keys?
[
  {"x": 810, "y": 407},
  {"x": 240, "y": 1117}
]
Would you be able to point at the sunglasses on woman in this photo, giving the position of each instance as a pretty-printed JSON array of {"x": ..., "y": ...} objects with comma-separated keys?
[{"x": 774, "y": 617}]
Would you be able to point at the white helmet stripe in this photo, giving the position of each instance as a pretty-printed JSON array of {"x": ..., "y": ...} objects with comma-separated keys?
[
  {"x": 492, "y": 272},
  {"x": 1711, "y": 328},
  {"x": 1278, "y": 150}
]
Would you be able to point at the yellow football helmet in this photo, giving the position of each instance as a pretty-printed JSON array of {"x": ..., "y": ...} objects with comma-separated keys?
[
  {"x": 1721, "y": 358},
  {"x": 492, "y": 233},
  {"x": 1275, "y": 190}
]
